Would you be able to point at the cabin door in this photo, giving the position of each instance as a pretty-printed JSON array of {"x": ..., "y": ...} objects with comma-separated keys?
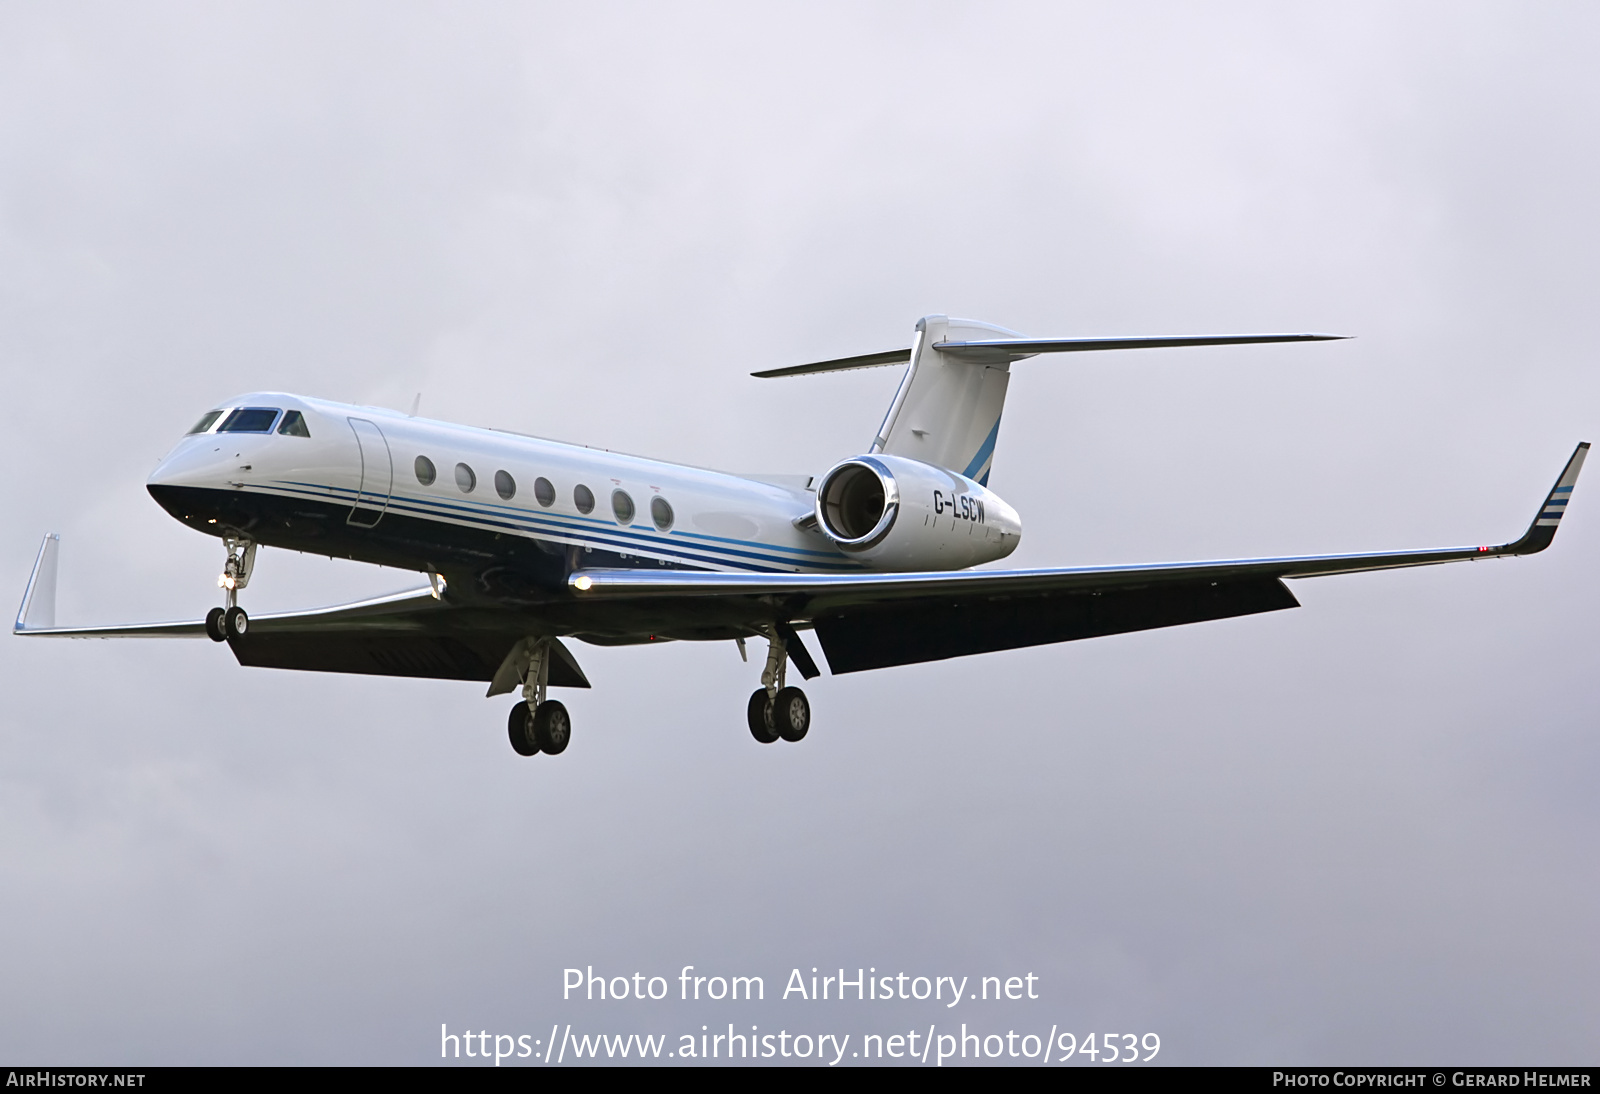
[{"x": 377, "y": 474}]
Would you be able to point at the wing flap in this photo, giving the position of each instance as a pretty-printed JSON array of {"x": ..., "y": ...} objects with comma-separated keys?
[
  {"x": 375, "y": 651},
  {"x": 881, "y": 637},
  {"x": 429, "y": 656}
]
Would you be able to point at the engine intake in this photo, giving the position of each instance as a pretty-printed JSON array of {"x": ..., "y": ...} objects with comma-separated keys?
[
  {"x": 857, "y": 503},
  {"x": 895, "y": 513}
]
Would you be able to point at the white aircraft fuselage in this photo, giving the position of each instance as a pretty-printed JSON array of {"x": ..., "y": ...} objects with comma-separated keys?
[{"x": 520, "y": 514}]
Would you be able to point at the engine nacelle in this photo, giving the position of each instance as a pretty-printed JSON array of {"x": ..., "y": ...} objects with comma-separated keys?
[{"x": 900, "y": 514}]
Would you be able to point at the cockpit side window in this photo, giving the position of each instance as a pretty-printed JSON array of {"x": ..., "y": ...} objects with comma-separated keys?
[
  {"x": 207, "y": 422},
  {"x": 249, "y": 419},
  {"x": 294, "y": 424}
]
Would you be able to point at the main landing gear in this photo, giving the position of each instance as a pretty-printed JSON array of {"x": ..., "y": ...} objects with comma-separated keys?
[
  {"x": 538, "y": 724},
  {"x": 775, "y": 710},
  {"x": 231, "y": 621}
]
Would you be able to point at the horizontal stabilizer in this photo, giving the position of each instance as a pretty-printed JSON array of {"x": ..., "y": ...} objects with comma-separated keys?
[
  {"x": 996, "y": 350},
  {"x": 841, "y": 364}
]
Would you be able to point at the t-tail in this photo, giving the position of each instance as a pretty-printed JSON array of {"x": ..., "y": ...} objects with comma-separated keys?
[{"x": 947, "y": 409}]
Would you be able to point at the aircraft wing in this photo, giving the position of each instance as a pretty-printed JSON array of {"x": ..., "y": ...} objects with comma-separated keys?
[
  {"x": 874, "y": 620},
  {"x": 410, "y": 633},
  {"x": 36, "y": 617}
]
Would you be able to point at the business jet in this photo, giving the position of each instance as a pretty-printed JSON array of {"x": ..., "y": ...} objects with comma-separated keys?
[{"x": 526, "y": 542}]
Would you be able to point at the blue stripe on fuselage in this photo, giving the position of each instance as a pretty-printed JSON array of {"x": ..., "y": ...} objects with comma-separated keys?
[{"x": 585, "y": 528}]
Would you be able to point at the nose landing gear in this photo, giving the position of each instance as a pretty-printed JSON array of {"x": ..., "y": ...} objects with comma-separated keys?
[
  {"x": 538, "y": 724},
  {"x": 230, "y": 621},
  {"x": 776, "y": 711}
]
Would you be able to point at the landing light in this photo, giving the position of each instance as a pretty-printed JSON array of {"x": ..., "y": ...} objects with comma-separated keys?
[
  {"x": 583, "y": 584},
  {"x": 225, "y": 581}
]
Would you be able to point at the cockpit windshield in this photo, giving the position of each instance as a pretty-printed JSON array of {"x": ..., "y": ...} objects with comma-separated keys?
[
  {"x": 206, "y": 422},
  {"x": 249, "y": 419},
  {"x": 253, "y": 419}
]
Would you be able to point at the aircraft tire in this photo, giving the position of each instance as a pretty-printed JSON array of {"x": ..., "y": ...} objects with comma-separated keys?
[
  {"x": 759, "y": 714},
  {"x": 791, "y": 714},
  {"x": 214, "y": 626},
  {"x": 517, "y": 727},
  {"x": 552, "y": 727},
  {"x": 235, "y": 623}
]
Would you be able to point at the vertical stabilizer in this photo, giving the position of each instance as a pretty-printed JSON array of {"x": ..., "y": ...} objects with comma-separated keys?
[
  {"x": 39, "y": 601},
  {"x": 947, "y": 410}
]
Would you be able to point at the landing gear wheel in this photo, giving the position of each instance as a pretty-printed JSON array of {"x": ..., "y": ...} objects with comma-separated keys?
[
  {"x": 235, "y": 623},
  {"x": 791, "y": 714},
  {"x": 552, "y": 728},
  {"x": 214, "y": 626},
  {"x": 759, "y": 714},
  {"x": 517, "y": 727}
]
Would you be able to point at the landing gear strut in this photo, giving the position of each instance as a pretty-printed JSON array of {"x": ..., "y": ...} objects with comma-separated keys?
[
  {"x": 538, "y": 724},
  {"x": 775, "y": 710},
  {"x": 230, "y": 621}
]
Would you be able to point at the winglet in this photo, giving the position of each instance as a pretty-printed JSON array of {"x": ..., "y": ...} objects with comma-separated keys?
[
  {"x": 38, "y": 611},
  {"x": 1543, "y": 528}
]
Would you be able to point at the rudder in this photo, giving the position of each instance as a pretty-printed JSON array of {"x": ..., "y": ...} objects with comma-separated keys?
[{"x": 946, "y": 411}]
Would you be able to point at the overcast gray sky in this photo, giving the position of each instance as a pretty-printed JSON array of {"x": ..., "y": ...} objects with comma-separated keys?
[{"x": 1363, "y": 831}]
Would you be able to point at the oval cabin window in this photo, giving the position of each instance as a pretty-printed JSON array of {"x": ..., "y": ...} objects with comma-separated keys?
[
  {"x": 544, "y": 492},
  {"x": 583, "y": 498},
  {"x": 505, "y": 485},
  {"x": 661, "y": 512},
  {"x": 622, "y": 506},
  {"x": 465, "y": 478},
  {"x": 425, "y": 472}
]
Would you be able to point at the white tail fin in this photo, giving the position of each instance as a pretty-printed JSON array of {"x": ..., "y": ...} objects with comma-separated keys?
[{"x": 947, "y": 410}]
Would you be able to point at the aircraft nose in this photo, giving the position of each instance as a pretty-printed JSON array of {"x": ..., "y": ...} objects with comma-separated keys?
[
  {"x": 187, "y": 465},
  {"x": 162, "y": 475},
  {"x": 188, "y": 482}
]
